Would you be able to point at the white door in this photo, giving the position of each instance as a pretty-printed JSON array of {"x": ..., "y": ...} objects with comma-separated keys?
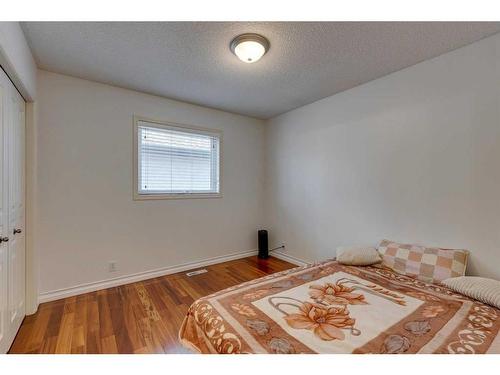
[
  {"x": 12, "y": 243},
  {"x": 16, "y": 212},
  {"x": 3, "y": 229}
]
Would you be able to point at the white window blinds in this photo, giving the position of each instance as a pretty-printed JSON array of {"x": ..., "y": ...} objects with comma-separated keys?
[{"x": 177, "y": 160}]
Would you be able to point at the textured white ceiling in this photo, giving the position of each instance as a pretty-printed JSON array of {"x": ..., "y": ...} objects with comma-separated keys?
[{"x": 191, "y": 61}]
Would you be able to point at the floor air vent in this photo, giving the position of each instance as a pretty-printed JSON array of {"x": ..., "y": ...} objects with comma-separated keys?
[{"x": 197, "y": 272}]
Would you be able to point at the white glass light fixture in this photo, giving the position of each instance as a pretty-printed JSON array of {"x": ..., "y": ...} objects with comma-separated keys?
[{"x": 249, "y": 48}]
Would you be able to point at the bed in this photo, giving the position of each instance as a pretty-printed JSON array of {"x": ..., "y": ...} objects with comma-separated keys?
[{"x": 333, "y": 308}]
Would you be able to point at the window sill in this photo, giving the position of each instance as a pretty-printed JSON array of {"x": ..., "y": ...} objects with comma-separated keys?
[{"x": 141, "y": 197}]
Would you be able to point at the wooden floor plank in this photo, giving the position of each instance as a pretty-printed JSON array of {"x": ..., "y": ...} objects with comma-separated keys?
[{"x": 142, "y": 317}]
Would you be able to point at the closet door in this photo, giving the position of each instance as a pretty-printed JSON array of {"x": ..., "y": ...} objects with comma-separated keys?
[
  {"x": 16, "y": 236},
  {"x": 4, "y": 326},
  {"x": 12, "y": 243}
]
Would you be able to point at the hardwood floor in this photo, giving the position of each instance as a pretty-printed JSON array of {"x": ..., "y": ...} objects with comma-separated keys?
[{"x": 142, "y": 317}]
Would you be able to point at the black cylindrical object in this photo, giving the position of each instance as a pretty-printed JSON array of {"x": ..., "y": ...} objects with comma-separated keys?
[{"x": 263, "y": 244}]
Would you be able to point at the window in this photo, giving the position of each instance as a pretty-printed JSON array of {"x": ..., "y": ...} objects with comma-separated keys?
[{"x": 175, "y": 161}]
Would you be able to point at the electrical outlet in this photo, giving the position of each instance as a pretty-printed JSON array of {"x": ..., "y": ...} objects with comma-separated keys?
[
  {"x": 283, "y": 244},
  {"x": 112, "y": 266}
]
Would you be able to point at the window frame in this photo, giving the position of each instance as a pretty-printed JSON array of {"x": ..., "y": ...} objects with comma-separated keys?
[{"x": 137, "y": 195}]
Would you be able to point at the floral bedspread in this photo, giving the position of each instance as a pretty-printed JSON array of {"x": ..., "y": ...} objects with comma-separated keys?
[{"x": 331, "y": 308}]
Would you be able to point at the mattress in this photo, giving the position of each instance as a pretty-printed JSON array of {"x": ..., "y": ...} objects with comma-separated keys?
[{"x": 332, "y": 308}]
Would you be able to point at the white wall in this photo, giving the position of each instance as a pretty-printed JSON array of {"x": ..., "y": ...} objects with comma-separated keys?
[
  {"x": 16, "y": 59},
  {"x": 85, "y": 213},
  {"x": 413, "y": 156}
]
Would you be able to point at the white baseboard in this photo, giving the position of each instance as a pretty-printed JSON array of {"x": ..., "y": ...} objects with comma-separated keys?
[
  {"x": 109, "y": 283},
  {"x": 289, "y": 258}
]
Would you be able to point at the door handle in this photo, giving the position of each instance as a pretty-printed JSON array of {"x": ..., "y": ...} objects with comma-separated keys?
[
  {"x": 4, "y": 239},
  {"x": 16, "y": 230}
]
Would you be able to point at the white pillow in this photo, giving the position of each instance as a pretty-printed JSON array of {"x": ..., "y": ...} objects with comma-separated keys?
[
  {"x": 358, "y": 255},
  {"x": 480, "y": 288}
]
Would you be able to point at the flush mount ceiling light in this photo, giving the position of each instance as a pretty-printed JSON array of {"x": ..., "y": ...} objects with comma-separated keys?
[{"x": 249, "y": 48}]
